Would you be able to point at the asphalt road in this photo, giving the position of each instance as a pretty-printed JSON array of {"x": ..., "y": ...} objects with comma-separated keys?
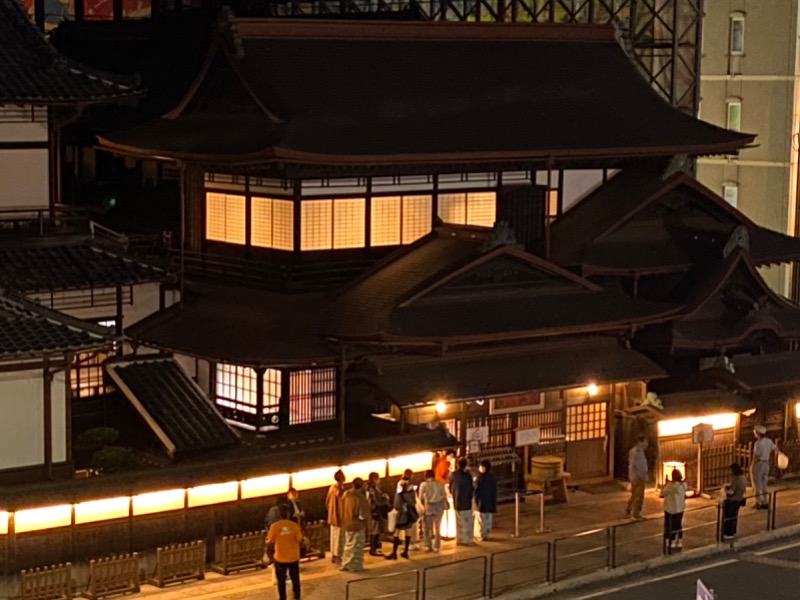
[{"x": 768, "y": 574}]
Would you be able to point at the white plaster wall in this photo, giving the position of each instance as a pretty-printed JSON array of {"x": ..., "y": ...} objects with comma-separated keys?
[
  {"x": 23, "y": 132},
  {"x": 577, "y": 183},
  {"x": 188, "y": 364},
  {"x": 21, "y": 425},
  {"x": 145, "y": 303},
  {"x": 24, "y": 178}
]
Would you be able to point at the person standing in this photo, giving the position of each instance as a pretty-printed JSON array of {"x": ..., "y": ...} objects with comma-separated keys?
[
  {"x": 486, "y": 498},
  {"x": 462, "y": 491},
  {"x": 332, "y": 503},
  {"x": 759, "y": 470},
  {"x": 433, "y": 498},
  {"x": 674, "y": 507},
  {"x": 405, "y": 503},
  {"x": 442, "y": 468},
  {"x": 637, "y": 475},
  {"x": 379, "y": 507},
  {"x": 734, "y": 492},
  {"x": 283, "y": 544},
  {"x": 354, "y": 519}
]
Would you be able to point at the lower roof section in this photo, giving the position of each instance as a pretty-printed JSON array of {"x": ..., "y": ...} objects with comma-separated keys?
[
  {"x": 463, "y": 376},
  {"x": 173, "y": 406},
  {"x": 244, "y": 465}
]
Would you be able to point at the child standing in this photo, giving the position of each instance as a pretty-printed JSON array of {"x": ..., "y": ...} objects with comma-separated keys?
[{"x": 674, "y": 507}]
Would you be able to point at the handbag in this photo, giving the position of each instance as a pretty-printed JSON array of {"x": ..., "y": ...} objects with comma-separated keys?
[
  {"x": 391, "y": 520},
  {"x": 782, "y": 461}
]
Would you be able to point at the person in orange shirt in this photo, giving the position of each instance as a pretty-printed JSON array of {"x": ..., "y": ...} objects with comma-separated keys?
[
  {"x": 442, "y": 468},
  {"x": 283, "y": 543}
]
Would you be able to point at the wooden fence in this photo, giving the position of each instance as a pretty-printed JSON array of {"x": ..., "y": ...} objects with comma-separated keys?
[
  {"x": 241, "y": 552},
  {"x": 717, "y": 461},
  {"x": 113, "y": 576},
  {"x": 48, "y": 583},
  {"x": 318, "y": 535},
  {"x": 180, "y": 562}
]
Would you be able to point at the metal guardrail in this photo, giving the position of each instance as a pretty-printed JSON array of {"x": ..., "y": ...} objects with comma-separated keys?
[
  {"x": 369, "y": 582},
  {"x": 456, "y": 583}
]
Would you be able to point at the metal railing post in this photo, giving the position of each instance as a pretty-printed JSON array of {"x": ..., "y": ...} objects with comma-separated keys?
[
  {"x": 424, "y": 584},
  {"x": 773, "y": 510},
  {"x": 417, "y": 590},
  {"x": 718, "y": 535},
  {"x": 485, "y": 574},
  {"x": 490, "y": 591},
  {"x": 611, "y": 547},
  {"x": 553, "y": 561},
  {"x": 516, "y": 514},
  {"x": 547, "y": 577}
]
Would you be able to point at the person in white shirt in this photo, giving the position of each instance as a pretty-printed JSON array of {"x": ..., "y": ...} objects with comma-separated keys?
[
  {"x": 637, "y": 475},
  {"x": 433, "y": 498},
  {"x": 674, "y": 507},
  {"x": 759, "y": 469}
]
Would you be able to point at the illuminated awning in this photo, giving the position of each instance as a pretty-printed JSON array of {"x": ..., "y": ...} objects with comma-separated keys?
[{"x": 546, "y": 366}]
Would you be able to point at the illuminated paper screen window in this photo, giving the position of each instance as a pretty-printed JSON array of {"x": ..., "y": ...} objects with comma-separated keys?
[
  {"x": 102, "y": 510},
  {"x": 155, "y": 502},
  {"x": 797, "y": 410},
  {"x": 272, "y": 391},
  {"x": 419, "y": 462},
  {"x": 385, "y": 221},
  {"x": 349, "y": 223},
  {"x": 314, "y": 478},
  {"x": 417, "y": 217},
  {"x": 586, "y": 422},
  {"x": 225, "y": 218},
  {"x": 474, "y": 208},
  {"x": 214, "y": 493},
  {"x": 236, "y": 388},
  {"x": 272, "y": 223},
  {"x": 316, "y": 227},
  {"x": 3, "y": 523},
  {"x": 49, "y": 517},
  {"x": 312, "y": 396},
  {"x": 271, "y": 485}
]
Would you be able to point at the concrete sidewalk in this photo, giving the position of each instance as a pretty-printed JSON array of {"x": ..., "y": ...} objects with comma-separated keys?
[{"x": 587, "y": 510}]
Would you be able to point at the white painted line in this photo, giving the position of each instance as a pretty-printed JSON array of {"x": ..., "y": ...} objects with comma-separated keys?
[
  {"x": 654, "y": 579},
  {"x": 778, "y": 549}
]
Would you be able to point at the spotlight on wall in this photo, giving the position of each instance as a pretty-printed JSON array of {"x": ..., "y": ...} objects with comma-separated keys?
[
  {"x": 441, "y": 407},
  {"x": 592, "y": 389}
]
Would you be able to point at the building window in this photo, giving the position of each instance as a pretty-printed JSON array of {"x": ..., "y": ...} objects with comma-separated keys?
[
  {"x": 272, "y": 223},
  {"x": 237, "y": 395},
  {"x": 737, "y": 35},
  {"x": 87, "y": 376},
  {"x": 225, "y": 218},
  {"x": 399, "y": 220},
  {"x": 730, "y": 192},
  {"x": 586, "y": 422},
  {"x": 333, "y": 224},
  {"x": 473, "y": 208},
  {"x": 734, "y": 118},
  {"x": 312, "y": 396},
  {"x": 552, "y": 203}
]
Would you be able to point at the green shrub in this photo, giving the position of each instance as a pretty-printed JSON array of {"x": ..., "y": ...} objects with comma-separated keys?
[
  {"x": 96, "y": 438},
  {"x": 114, "y": 459}
]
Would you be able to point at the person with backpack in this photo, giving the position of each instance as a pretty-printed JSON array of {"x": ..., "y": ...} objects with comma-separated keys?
[
  {"x": 433, "y": 497},
  {"x": 379, "y": 507},
  {"x": 405, "y": 503}
]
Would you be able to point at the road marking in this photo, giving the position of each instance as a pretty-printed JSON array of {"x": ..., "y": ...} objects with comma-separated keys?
[
  {"x": 778, "y": 549},
  {"x": 772, "y": 562},
  {"x": 628, "y": 586}
]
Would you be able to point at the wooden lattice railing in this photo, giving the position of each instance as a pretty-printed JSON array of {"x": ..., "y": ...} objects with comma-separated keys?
[
  {"x": 113, "y": 576},
  {"x": 241, "y": 552},
  {"x": 47, "y": 583},
  {"x": 180, "y": 562}
]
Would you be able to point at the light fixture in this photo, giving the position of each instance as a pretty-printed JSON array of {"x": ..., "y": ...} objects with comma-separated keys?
[
  {"x": 441, "y": 407},
  {"x": 684, "y": 426},
  {"x": 592, "y": 389},
  {"x": 797, "y": 410},
  {"x": 749, "y": 412}
]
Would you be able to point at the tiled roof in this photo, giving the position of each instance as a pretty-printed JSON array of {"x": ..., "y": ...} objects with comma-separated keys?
[
  {"x": 320, "y": 93},
  {"x": 174, "y": 406},
  {"x": 28, "y": 330},
  {"x": 43, "y": 268},
  {"x": 33, "y": 72}
]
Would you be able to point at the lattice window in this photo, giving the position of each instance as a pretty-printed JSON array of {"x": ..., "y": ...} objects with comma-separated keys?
[
  {"x": 272, "y": 391},
  {"x": 586, "y": 422},
  {"x": 473, "y": 208},
  {"x": 501, "y": 430},
  {"x": 316, "y": 231},
  {"x": 236, "y": 388},
  {"x": 400, "y": 219},
  {"x": 87, "y": 375},
  {"x": 272, "y": 223},
  {"x": 349, "y": 223},
  {"x": 225, "y": 218},
  {"x": 312, "y": 396}
]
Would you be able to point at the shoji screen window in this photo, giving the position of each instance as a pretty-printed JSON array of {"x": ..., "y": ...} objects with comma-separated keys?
[
  {"x": 312, "y": 396},
  {"x": 399, "y": 220},
  {"x": 333, "y": 224},
  {"x": 225, "y": 218},
  {"x": 236, "y": 388},
  {"x": 472, "y": 208},
  {"x": 272, "y": 224}
]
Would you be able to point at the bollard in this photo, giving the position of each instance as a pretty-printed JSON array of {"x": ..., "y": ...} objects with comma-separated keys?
[
  {"x": 516, "y": 514},
  {"x": 541, "y": 514}
]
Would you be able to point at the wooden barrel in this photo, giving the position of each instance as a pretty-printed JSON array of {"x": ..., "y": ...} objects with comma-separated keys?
[{"x": 546, "y": 468}]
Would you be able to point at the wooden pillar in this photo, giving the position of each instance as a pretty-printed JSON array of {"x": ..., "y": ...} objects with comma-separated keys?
[
  {"x": 297, "y": 196},
  {"x": 48, "y": 417},
  {"x": 68, "y": 404},
  {"x": 610, "y": 414},
  {"x": 119, "y": 329},
  {"x": 284, "y": 403},
  {"x": 80, "y": 10},
  {"x": 116, "y": 7},
  {"x": 340, "y": 393},
  {"x": 259, "y": 398},
  {"x": 192, "y": 207}
]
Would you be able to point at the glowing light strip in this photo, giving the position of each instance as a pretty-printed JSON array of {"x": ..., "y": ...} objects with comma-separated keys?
[
  {"x": 105, "y": 509},
  {"x": 672, "y": 427},
  {"x": 48, "y": 517},
  {"x": 797, "y": 410}
]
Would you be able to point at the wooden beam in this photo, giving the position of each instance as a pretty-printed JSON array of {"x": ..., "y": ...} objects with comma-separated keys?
[
  {"x": 48, "y": 418},
  {"x": 68, "y": 405}
]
